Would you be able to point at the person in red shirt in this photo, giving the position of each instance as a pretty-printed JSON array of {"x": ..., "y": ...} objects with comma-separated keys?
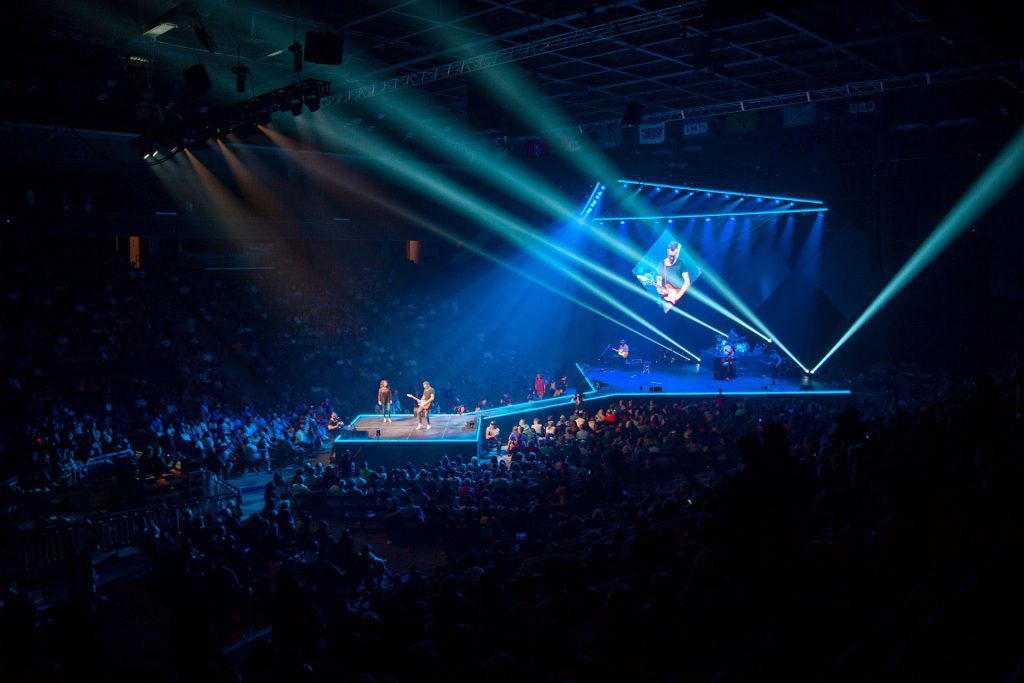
[{"x": 539, "y": 386}]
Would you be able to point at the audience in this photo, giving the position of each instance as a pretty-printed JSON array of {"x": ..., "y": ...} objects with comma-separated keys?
[{"x": 727, "y": 540}]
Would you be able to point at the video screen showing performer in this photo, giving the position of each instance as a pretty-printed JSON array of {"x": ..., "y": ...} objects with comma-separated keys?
[{"x": 667, "y": 271}]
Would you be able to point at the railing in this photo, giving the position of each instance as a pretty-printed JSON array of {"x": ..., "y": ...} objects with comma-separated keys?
[
  {"x": 40, "y": 549},
  {"x": 92, "y": 465}
]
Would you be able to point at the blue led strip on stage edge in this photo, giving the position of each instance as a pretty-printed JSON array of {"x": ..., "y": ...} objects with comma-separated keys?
[
  {"x": 711, "y": 215},
  {"x": 589, "y": 383},
  {"x": 728, "y": 192},
  {"x": 806, "y": 392},
  {"x": 406, "y": 440}
]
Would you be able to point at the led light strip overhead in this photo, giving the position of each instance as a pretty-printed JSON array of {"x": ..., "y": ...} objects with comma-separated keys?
[{"x": 726, "y": 193}]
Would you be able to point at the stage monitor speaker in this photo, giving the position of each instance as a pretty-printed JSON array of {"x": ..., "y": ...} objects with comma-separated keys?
[
  {"x": 197, "y": 81},
  {"x": 324, "y": 48},
  {"x": 633, "y": 115}
]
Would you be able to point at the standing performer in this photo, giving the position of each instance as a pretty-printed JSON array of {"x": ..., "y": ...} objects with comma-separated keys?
[
  {"x": 775, "y": 360},
  {"x": 423, "y": 405},
  {"x": 384, "y": 400}
]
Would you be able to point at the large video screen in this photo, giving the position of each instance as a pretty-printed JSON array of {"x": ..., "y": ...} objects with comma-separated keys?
[{"x": 667, "y": 271}]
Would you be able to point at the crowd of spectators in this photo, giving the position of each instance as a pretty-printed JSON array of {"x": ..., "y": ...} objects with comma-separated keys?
[
  {"x": 720, "y": 541},
  {"x": 648, "y": 540},
  {"x": 229, "y": 369}
]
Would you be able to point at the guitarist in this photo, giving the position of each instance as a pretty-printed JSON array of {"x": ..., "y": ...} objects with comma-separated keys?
[
  {"x": 423, "y": 405},
  {"x": 674, "y": 279},
  {"x": 622, "y": 350}
]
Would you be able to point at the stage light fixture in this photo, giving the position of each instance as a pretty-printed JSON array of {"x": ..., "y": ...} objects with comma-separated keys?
[
  {"x": 296, "y": 107},
  {"x": 296, "y": 49},
  {"x": 159, "y": 29},
  {"x": 313, "y": 102},
  {"x": 241, "y": 73},
  {"x": 202, "y": 34}
]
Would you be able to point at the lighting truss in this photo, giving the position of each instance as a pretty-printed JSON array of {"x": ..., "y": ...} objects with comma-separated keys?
[
  {"x": 839, "y": 92},
  {"x": 240, "y": 118},
  {"x": 647, "y": 21},
  {"x": 766, "y": 212},
  {"x": 727, "y": 193}
]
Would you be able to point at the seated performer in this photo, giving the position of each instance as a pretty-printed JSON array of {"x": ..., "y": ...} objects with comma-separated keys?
[
  {"x": 384, "y": 400},
  {"x": 622, "y": 350},
  {"x": 423, "y": 405},
  {"x": 729, "y": 363}
]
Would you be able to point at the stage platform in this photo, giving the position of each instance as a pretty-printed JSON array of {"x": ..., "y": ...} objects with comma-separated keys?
[
  {"x": 444, "y": 427},
  {"x": 400, "y": 442},
  {"x": 696, "y": 379}
]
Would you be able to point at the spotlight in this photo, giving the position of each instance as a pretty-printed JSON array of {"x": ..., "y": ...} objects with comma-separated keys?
[
  {"x": 241, "y": 73},
  {"x": 263, "y": 117},
  {"x": 296, "y": 107},
  {"x": 296, "y": 49},
  {"x": 202, "y": 34},
  {"x": 313, "y": 102}
]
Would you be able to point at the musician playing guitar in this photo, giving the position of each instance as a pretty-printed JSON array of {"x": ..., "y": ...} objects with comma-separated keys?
[
  {"x": 423, "y": 405},
  {"x": 673, "y": 280},
  {"x": 622, "y": 349}
]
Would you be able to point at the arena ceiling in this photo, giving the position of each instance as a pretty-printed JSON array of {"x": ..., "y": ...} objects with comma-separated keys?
[{"x": 92, "y": 65}]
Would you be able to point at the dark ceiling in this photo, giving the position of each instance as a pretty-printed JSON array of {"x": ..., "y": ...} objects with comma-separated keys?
[{"x": 88, "y": 64}]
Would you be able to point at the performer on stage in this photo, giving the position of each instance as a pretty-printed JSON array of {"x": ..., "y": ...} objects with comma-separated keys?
[
  {"x": 674, "y": 279},
  {"x": 334, "y": 426},
  {"x": 775, "y": 361},
  {"x": 423, "y": 405},
  {"x": 729, "y": 363},
  {"x": 622, "y": 349},
  {"x": 384, "y": 400}
]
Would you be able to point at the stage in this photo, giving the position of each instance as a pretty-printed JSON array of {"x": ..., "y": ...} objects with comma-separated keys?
[
  {"x": 444, "y": 427},
  {"x": 694, "y": 378}
]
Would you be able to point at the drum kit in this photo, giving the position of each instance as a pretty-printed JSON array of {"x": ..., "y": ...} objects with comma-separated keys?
[{"x": 724, "y": 347}]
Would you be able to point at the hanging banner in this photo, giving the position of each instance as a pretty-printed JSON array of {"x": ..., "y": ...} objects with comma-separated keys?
[
  {"x": 745, "y": 122},
  {"x": 799, "y": 115},
  {"x": 610, "y": 135},
  {"x": 696, "y": 128},
  {"x": 652, "y": 134}
]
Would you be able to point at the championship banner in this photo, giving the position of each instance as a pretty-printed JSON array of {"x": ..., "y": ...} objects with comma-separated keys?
[
  {"x": 745, "y": 122},
  {"x": 652, "y": 134},
  {"x": 799, "y": 115},
  {"x": 610, "y": 135}
]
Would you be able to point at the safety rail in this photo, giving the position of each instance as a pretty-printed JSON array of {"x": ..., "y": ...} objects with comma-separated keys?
[
  {"x": 92, "y": 465},
  {"x": 41, "y": 548}
]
